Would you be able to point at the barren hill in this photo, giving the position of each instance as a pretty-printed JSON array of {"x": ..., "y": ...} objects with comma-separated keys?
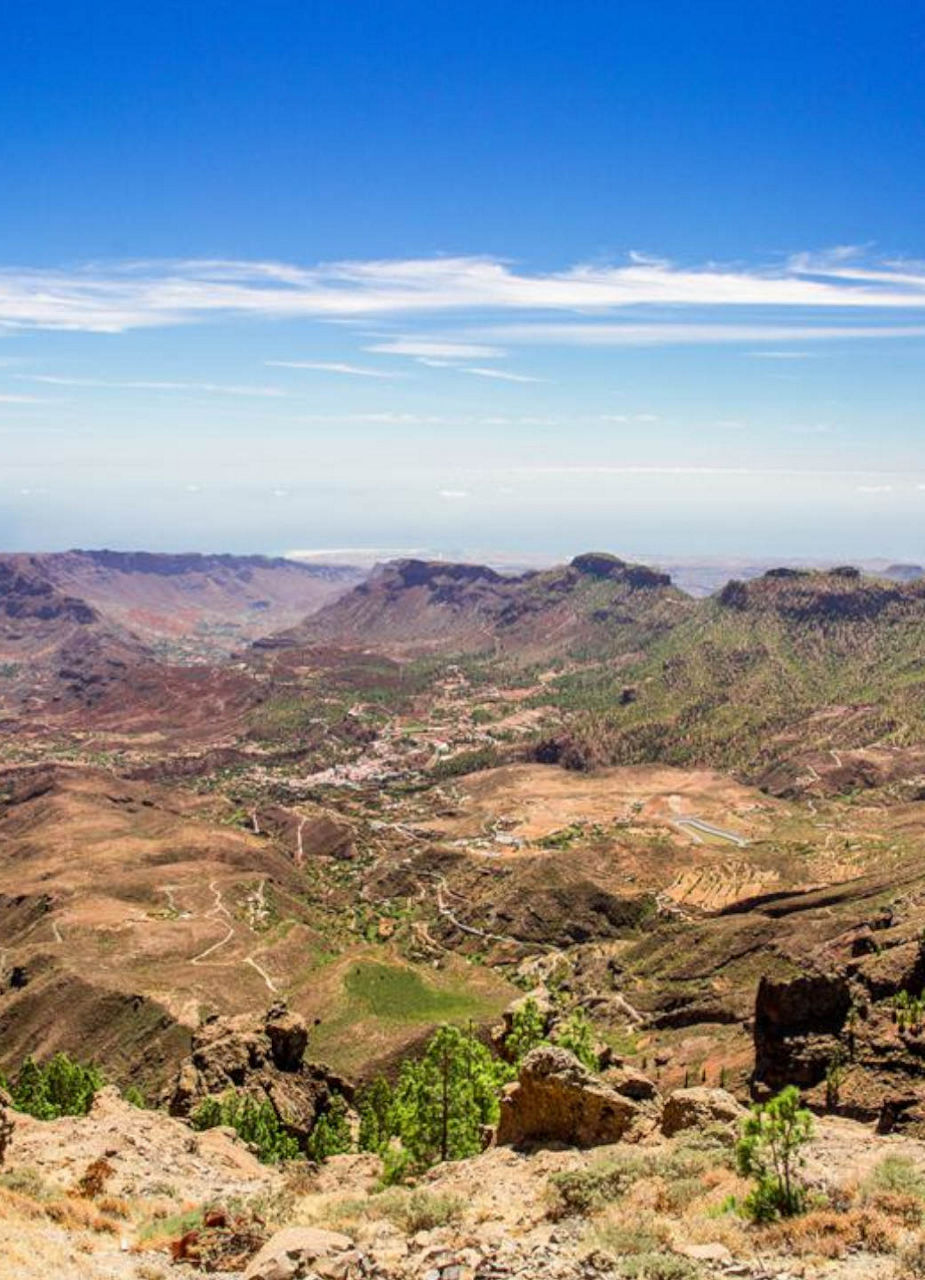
[
  {"x": 195, "y": 606},
  {"x": 596, "y": 603},
  {"x": 55, "y": 645}
]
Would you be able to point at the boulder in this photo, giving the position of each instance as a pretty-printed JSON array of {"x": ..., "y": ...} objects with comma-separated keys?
[
  {"x": 557, "y": 1099},
  {"x": 632, "y": 1084},
  {"x": 296, "y": 1252},
  {"x": 699, "y": 1108}
]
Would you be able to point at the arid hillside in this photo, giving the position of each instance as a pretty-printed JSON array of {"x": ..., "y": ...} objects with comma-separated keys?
[
  {"x": 194, "y": 607},
  {"x": 598, "y": 604},
  {"x": 54, "y": 646}
]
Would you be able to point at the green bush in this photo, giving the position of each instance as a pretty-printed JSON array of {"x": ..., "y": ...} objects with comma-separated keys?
[
  {"x": 528, "y": 1029},
  {"x": 770, "y": 1150},
  {"x": 254, "y": 1120},
  {"x": 331, "y": 1134},
  {"x": 59, "y": 1087},
  {"x": 896, "y": 1175},
  {"x": 577, "y": 1035}
]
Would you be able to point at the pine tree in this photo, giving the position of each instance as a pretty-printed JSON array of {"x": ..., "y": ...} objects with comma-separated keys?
[
  {"x": 330, "y": 1135},
  {"x": 440, "y": 1103}
]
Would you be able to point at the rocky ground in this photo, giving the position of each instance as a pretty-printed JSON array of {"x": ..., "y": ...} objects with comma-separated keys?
[{"x": 128, "y": 1194}]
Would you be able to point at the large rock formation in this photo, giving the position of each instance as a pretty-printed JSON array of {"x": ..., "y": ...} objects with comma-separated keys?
[
  {"x": 699, "y": 1108},
  {"x": 265, "y": 1059},
  {"x": 557, "y": 1099}
]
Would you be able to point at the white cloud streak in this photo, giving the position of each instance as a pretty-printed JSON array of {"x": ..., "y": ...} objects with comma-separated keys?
[
  {"x": 331, "y": 366},
  {"x": 211, "y": 388},
  {"x": 500, "y": 374},
  {"x": 671, "y": 334},
  {"x": 110, "y": 298},
  {"x": 437, "y": 350}
]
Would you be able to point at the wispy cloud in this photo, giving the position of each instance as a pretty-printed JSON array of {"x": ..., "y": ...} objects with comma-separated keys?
[
  {"x": 452, "y": 495},
  {"x": 500, "y": 374},
  {"x": 781, "y": 355},
  {"x": 108, "y": 298},
  {"x": 605, "y": 334},
  {"x": 211, "y": 388},
  {"x": 437, "y": 349},
  {"x": 329, "y": 366}
]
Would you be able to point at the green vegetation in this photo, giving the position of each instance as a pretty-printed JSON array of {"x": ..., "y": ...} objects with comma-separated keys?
[
  {"x": 254, "y": 1120},
  {"x": 896, "y": 1176},
  {"x": 770, "y": 1151},
  {"x": 397, "y": 992},
  {"x": 60, "y": 1087},
  {"x": 528, "y": 1030},
  {"x": 330, "y": 1135},
  {"x": 908, "y": 1011},
  {"x": 438, "y": 1106},
  {"x": 487, "y": 757}
]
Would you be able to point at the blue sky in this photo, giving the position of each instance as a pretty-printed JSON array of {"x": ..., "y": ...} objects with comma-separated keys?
[{"x": 464, "y": 277}]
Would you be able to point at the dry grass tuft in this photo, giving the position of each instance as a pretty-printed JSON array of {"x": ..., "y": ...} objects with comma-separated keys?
[{"x": 825, "y": 1233}]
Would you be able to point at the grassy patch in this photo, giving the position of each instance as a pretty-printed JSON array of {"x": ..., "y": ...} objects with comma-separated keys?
[{"x": 397, "y": 992}]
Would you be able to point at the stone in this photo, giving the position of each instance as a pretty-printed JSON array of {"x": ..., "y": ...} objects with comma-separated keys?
[
  {"x": 713, "y": 1252},
  {"x": 292, "y": 1252},
  {"x": 698, "y": 1108},
  {"x": 632, "y": 1084},
  {"x": 557, "y": 1099}
]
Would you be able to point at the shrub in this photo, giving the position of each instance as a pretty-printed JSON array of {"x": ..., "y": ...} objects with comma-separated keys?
[
  {"x": 577, "y": 1035},
  {"x": 770, "y": 1151},
  {"x": 528, "y": 1029},
  {"x": 639, "y": 1233},
  {"x": 658, "y": 1266},
  {"x": 254, "y": 1120},
  {"x": 827, "y": 1233},
  {"x": 896, "y": 1175},
  {"x": 583, "y": 1191},
  {"x": 58, "y": 1088},
  {"x": 331, "y": 1134}
]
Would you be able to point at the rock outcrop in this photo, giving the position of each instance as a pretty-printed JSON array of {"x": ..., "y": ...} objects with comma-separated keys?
[
  {"x": 699, "y": 1108},
  {"x": 556, "y": 1099},
  {"x": 297, "y": 1252},
  {"x": 265, "y": 1059}
]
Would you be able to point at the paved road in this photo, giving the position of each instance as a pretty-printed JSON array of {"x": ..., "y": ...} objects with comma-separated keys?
[{"x": 698, "y": 824}]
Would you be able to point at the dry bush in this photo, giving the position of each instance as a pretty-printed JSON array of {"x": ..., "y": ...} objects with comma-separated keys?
[
  {"x": 409, "y": 1210},
  {"x": 14, "y": 1204},
  {"x": 904, "y": 1208},
  {"x": 92, "y": 1182},
  {"x": 115, "y": 1206},
  {"x": 631, "y": 1232},
  {"x": 825, "y": 1233}
]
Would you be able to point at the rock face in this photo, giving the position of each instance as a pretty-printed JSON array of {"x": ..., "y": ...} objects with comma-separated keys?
[
  {"x": 265, "y": 1059},
  {"x": 557, "y": 1099},
  {"x": 699, "y": 1108},
  {"x": 297, "y": 1252}
]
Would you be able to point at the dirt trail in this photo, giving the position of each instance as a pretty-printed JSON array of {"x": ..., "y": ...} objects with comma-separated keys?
[{"x": 218, "y": 909}]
